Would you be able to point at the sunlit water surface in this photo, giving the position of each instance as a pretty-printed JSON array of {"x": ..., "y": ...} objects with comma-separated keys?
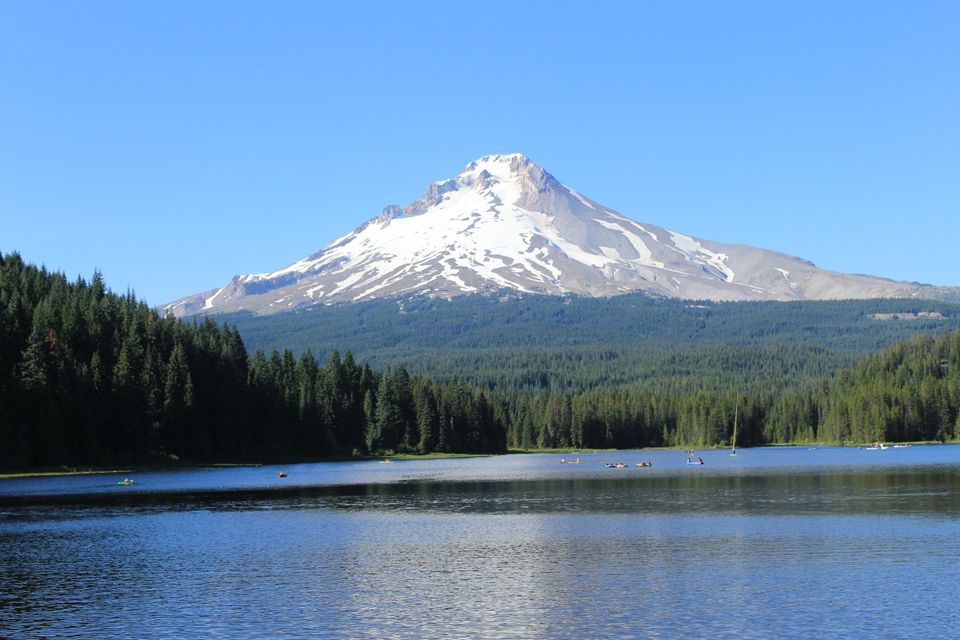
[{"x": 772, "y": 543}]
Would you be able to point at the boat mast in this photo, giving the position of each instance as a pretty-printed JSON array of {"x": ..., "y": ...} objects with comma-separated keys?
[{"x": 736, "y": 410}]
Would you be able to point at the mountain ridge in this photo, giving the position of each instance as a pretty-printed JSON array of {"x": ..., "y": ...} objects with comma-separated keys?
[{"x": 504, "y": 222}]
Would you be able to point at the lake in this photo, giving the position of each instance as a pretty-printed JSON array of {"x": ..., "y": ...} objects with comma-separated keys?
[{"x": 782, "y": 542}]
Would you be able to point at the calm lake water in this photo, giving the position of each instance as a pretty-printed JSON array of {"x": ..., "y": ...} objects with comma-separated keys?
[{"x": 773, "y": 543}]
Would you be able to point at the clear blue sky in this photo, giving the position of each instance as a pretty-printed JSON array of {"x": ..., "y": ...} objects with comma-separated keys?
[{"x": 175, "y": 144}]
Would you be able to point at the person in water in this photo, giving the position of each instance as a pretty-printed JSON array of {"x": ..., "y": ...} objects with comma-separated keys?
[{"x": 699, "y": 460}]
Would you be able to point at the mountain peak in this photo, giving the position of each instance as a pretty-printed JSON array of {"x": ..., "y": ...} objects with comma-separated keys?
[
  {"x": 509, "y": 166},
  {"x": 515, "y": 168},
  {"x": 505, "y": 223},
  {"x": 499, "y": 158}
]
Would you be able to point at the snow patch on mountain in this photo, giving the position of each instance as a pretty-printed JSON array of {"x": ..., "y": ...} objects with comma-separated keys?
[{"x": 695, "y": 252}]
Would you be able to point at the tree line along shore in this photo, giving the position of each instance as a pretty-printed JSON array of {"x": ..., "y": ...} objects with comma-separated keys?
[{"x": 93, "y": 378}]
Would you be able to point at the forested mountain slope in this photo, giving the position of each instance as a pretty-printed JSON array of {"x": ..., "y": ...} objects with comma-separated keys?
[
  {"x": 575, "y": 344},
  {"x": 908, "y": 392}
]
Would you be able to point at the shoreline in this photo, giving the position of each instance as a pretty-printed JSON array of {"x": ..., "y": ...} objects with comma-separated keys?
[
  {"x": 148, "y": 468},
  {"x": 76, "y": 471}
]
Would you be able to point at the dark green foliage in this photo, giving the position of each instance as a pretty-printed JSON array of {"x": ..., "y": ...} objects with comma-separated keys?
[
  {"x": 908, "y": 392},
  {"x": 573, "y": 345},
  {"x": 92, "y": 378},
  {"x": 633, "y": 371}
]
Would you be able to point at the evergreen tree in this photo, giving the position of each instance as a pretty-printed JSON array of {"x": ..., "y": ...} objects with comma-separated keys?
[{"x": 177, "y": 405}]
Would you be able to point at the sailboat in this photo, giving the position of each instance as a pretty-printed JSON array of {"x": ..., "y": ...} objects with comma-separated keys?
[{"x": 733, "y": 449}]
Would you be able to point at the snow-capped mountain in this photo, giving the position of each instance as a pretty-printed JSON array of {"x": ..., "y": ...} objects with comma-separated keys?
[{"x": 505, "y": 223}]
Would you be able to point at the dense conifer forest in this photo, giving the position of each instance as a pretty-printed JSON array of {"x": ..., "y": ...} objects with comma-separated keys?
[
  {"x": 88, "y": 377},
  {"x": 908, "y": 392},
  {"x": 573, "y": 345}
]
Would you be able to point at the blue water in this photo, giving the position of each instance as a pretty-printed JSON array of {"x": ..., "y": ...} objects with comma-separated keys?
[{"x": 775, "y": 542}]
